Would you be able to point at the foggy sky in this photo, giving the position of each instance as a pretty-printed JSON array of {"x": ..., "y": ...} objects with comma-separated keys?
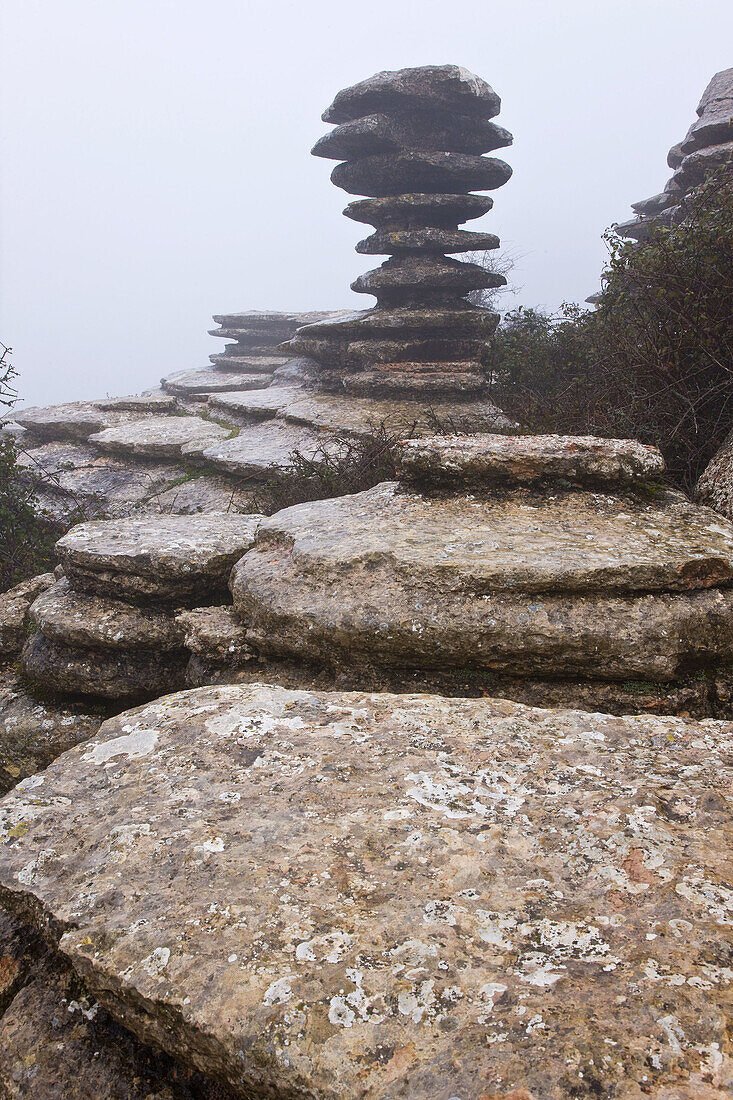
[{"x": 156, "y": 166}]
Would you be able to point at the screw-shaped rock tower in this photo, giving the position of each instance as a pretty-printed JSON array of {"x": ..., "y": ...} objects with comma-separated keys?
[{"x": 412, "y": 141}]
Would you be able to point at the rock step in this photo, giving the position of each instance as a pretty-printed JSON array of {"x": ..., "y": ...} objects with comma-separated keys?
[
  {"x": 260, "y": 404},
  {"x": 403, "y": 416},
  {"x": 146, "y": 403},
  {"x": 160, "y": 437},
  {"x": 426, "y": 379},
  {"x": 403, "y": 802},
  {"x": 15, "y": 606},
  {"x": 500, "y": 460},
  {"x": 440, "y": 173},
  {"x": 420, "y": 129},
  {"x": 165, "y": 557},
  {"x": 395, "y": 242},
  {"x": 248, "y": 364},
  {"x": 98, "y": 673},
  {"x": 369, "y": 323},
  {"x": 413, "y": 278},
  {"x": 210, "y": 381},
  {"x": 419, "y": 210},
  {"x": 74, "y": 421},
  {"x": 378, "y": 352},
  {"x": 263, "y": 448},
  {"x": 94, "y": 622}
]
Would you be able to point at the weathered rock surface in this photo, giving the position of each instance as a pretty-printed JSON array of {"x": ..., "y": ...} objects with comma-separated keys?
[
  {"x": 445, "y": 898},
  {"x": 497, "y": 460},
  {"x": 260, "y": 447},
  {"x": 168, "y": 557},
  {"x": 448, "y": 88},
  {"x": 216, "y": 634},
  {"x": 204, "y": 493},
  {"x": 715, "y": 487},
  {"x": 148, "y": 402},
  {"x": 159, "y": 436},
  {"x": 258, "y": 404},
  {"x": 574, "y": 583},
  {"x": 76, "y": 482},
  {"x": 73, "y": 421},
  {"x": 402, "y": 415},
  {"x": 209, "y": 381},
  {"x": 34, "y": 732},
  {"x": 97, "y": 622},
  {"x": 101, "y": 673},
  {"x": 14, "y": 610}
]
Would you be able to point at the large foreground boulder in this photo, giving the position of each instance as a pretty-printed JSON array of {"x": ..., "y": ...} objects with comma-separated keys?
[{"x": 327, "y": 895}]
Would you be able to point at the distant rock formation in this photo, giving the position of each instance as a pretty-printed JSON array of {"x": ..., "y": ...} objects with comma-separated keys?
[
  {"x": 412, "y": 141},
  {"x": 707, "y": 146}
]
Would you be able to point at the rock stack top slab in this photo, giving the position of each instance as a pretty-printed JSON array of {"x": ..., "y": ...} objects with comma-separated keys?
[
  {"x": 525, "y": 460},
  {"x": 323, "y": 894},
  {"x": 165, "y": 556},
  {"x": 443, "y": 87}
]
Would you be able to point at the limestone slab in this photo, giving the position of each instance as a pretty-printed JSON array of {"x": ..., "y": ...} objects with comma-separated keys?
[
  {"x": 248, "y": 364},
  {"x": 399, "y": 416},
  {"x": 419, "y": 208},
  {"x": 167, "y": 556},
  {"x": 312, "y": 894},
  {"x": 158, "y": 436},
  {"x": 210, "y": 381},
  {"x": 715, "y": 486},
  {"x": 149, "y": 402},
  {"x": 406, "y": 171},
  {"x": 216, "y": 634},
  {"x": 263, "y": 446},
  {"x": 95, "y": 622},
  {"x": 527, "y": 459},
  {"x": 204, "y": 493},
  {"x": 261, "y": 404},
  {"x": 99, "y": 673},
  {"x": 575, "y": 584},
  {"x": 71, "y": 421}
]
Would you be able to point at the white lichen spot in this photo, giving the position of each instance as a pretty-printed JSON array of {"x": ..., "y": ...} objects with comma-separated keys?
[
  {"x": 330, "y": 947},
  {"x": 138, "y": 742},
  {"x": 416, "y": 1004},
  {"x": 278, "y": 992},
  {"x": 156, "y": 962},
  {"x": 339, "y": 1013}
]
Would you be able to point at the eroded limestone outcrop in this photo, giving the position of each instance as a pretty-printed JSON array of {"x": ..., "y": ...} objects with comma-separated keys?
[
  {"x": 324, "y": 894},
  {"x": 610, "y": 579},
  {"x": 108, "y": 627}
]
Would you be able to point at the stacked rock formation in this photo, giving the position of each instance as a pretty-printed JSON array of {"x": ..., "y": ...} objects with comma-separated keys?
[
  {"x": 547, "y": 565},
  {"x": 412, "y": 141},
  {"x": 706, "y": 148},
  {"x": 250, "y": 361},
  {"x": 107, "y": 628}
]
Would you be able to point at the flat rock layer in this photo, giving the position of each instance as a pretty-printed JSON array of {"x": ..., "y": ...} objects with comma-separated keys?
[
  {"x": 261, "y": 447},
  {"x": 75, "y": 420},
  {"x": 194, "y": 382},
  {"x": 163, "y": 556},
  {"x": 99, "y": 673},
  {"x": 324, "y": 895},
  {"x": 159, "y": 436},
  {"x": 579, "y": 584},
  {"x": 527, "y": 459},
  {"x": 94, "y": 622}
]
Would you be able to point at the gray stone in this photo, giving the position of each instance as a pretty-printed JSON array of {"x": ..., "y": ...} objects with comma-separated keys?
[
  {"x": 654, "y": 205},
  {"x": 438, "y": 210},
  {"x": 159, "y": 436},
  {"x": 715, "y": 486},
  {"x": 77, "y": 482},
  {"x": 696, "y": 167},
  {"x": 500, "y": 460},
  {"x": 96, "y": 622},
  {"x": 404, "y": 280},
  {"x": 216, "y": 634},
  {"x": 395, "y": 242},
  {"x": 260, "y": 448},
  {"x": 440, "y": 173},
  {"x": 205, "y": 493},
  {"x": 72, "y": 421},
  {"x": 149, "y": 403},
  {"x": 569, "y": 584},
  {"x": 101, "y": 674},
  {"x": 34, "y": 732},
  {"x": 14, "y": 609},
  {"x": 412, "y": 129},
  {"x": 313, "y": 894},
  {"x": 447, "y": 87},
  {"x": 248, "y": 364},
  {"x": 260, "y": 404},
  {"x": 165, "y": 557},
  {"x": 210, "y": 381},
  {"x": 402, "y": 416}
]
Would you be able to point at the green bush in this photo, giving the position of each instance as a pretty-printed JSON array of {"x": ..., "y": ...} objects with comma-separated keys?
[
  {"x": 654, "y": 361},
  {"x": 27, "y": 536}
]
